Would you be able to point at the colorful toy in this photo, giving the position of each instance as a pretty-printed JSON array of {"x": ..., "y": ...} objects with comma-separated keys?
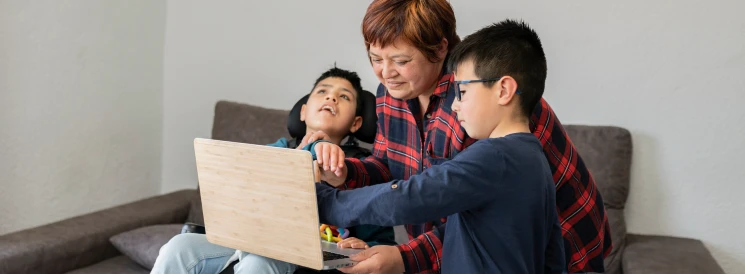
[{"x": 333, "y": 234}]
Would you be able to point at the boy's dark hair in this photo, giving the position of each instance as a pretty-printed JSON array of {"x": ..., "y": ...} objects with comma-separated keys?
[
  {"x": 507, "y": 48},
  {"x": 350, "y": 76}
]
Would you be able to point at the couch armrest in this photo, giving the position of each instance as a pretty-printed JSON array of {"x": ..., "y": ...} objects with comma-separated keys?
[
  {"x": 662, "y": 254},
  {"x": 84, "y": 240}
]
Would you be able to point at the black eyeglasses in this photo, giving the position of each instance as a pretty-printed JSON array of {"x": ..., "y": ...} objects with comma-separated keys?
[{"x": 458, "y": 83}]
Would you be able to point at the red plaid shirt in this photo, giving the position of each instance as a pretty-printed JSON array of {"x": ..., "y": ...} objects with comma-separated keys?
[{"x": 406, "y": 144}]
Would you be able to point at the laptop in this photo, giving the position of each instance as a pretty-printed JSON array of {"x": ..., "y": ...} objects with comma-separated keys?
[{"x": 262, "y": 200}]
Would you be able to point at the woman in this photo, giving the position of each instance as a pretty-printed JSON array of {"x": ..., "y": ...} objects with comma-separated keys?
[{"x": 407, "y": 43}]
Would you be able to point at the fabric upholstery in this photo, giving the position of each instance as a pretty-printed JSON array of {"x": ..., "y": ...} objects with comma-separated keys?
[
  {"x": 248, "y": 124},
  {"x": 663, "y": 255},
  {"x": 143, "y": 244},
  {"x": 195, "y": 209},
  {"x": 84, "y": 240},
  {"x": 618, "y": 237},
  {"x": 118, "y": 265}
]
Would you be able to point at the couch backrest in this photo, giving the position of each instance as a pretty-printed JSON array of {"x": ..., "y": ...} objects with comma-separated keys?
[
  {"x": 244, "y": 123},
  {"x": 606, "y": 152}
]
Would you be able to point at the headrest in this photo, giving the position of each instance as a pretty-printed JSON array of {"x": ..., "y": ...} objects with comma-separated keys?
[{"x": 366, "y": 133}]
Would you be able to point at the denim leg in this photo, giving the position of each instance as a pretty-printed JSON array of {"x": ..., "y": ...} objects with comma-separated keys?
[
  {"x": 191, "y": 253},
  {"x": 255, "y": 264}
]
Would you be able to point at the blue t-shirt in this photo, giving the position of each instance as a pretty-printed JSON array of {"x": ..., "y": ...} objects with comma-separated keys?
[{"x": 499, "y": 197}]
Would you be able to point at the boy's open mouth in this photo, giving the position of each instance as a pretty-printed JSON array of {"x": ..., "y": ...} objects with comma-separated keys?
[{"x": 329, "y": 108}]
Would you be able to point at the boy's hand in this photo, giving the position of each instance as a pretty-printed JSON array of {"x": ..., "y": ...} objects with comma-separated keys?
[
  {"x": 352, "y": 242},
  {"x": 330, "y": 158},
  {"x": 311, "y": 137},
  {"x": 331, "y": 177}
]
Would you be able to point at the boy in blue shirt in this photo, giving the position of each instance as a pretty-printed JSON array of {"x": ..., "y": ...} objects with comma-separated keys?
[
  {"x": 334, "y": 106},
  {"x": 498, "y": 194}
]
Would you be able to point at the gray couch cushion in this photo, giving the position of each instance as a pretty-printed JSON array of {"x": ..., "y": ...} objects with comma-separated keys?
[
  {"x": 248, "y": 124},
  {"x": 607, "y": 153},
  {"x": 662, "y": 254},
  {"x": 142, "y": 244},
  {"x": 195, "y": 209},
  {"x": 618, "y": 236},
  {"x": 119, "y": 265}
]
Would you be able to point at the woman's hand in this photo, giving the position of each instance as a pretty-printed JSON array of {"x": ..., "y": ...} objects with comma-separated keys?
[{"x": 378, "y": 259}]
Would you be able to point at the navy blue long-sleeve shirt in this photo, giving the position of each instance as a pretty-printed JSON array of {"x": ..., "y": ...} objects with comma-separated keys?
[{"x": 499, "y": 198}]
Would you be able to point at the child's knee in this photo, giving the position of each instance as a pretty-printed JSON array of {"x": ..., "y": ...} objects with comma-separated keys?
[{"x": 182, "y": 246}]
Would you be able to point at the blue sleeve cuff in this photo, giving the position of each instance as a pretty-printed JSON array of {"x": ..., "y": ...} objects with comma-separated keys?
[{"x": 311, "y": 147}]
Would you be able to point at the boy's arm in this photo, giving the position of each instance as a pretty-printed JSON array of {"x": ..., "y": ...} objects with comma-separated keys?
[
  {"x": 555, "y": 253},
  {"x": 373, "y": 204},
  {"x": 373, "y": 169},
  {"x": 454, "y": 186}
]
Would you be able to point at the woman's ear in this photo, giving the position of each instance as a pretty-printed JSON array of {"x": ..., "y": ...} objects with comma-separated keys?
[
  {"x": 356, "y": 125},
  {"x": 442, "y": 50},
  {"x": 302, "y": 113}
]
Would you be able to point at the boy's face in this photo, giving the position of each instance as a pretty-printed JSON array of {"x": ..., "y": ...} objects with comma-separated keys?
[
  {"x": 481, "y": 108},
  {"x": 331, "y": 108}
]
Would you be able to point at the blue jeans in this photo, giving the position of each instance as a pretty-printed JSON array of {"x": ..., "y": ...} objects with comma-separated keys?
[{"x": 192, "y": 253}]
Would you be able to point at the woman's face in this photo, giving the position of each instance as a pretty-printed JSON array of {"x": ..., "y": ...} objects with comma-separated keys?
[{"x": 404, "y": 70}]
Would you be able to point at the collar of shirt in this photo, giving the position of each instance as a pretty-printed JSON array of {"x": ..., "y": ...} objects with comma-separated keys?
[{"x": 444, "y": 85}]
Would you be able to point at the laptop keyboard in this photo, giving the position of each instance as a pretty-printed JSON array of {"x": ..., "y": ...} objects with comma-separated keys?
[{"x": 328, "y": 256}]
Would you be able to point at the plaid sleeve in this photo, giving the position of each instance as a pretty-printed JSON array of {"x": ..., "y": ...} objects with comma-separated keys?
[
  {"x": 422, "y": 254},
  {"x": 373, "y": 169},
  {"x": 582, "y": 216}
]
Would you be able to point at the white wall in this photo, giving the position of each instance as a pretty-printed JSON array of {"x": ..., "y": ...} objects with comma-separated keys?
[
  {"x": 266, "y": 53},
  {"x": 80, "y": 107},
  {"x": 669, "y": 71}
]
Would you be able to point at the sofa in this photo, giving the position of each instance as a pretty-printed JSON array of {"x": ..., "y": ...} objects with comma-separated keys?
[{"x": 125, "y": 238}]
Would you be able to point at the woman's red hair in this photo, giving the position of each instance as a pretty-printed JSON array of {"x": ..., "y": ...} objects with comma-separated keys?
[{"x": 421, "y": 23}]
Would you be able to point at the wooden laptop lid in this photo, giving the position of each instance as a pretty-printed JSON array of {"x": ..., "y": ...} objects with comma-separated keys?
[{"x": 260, "y": 199}]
